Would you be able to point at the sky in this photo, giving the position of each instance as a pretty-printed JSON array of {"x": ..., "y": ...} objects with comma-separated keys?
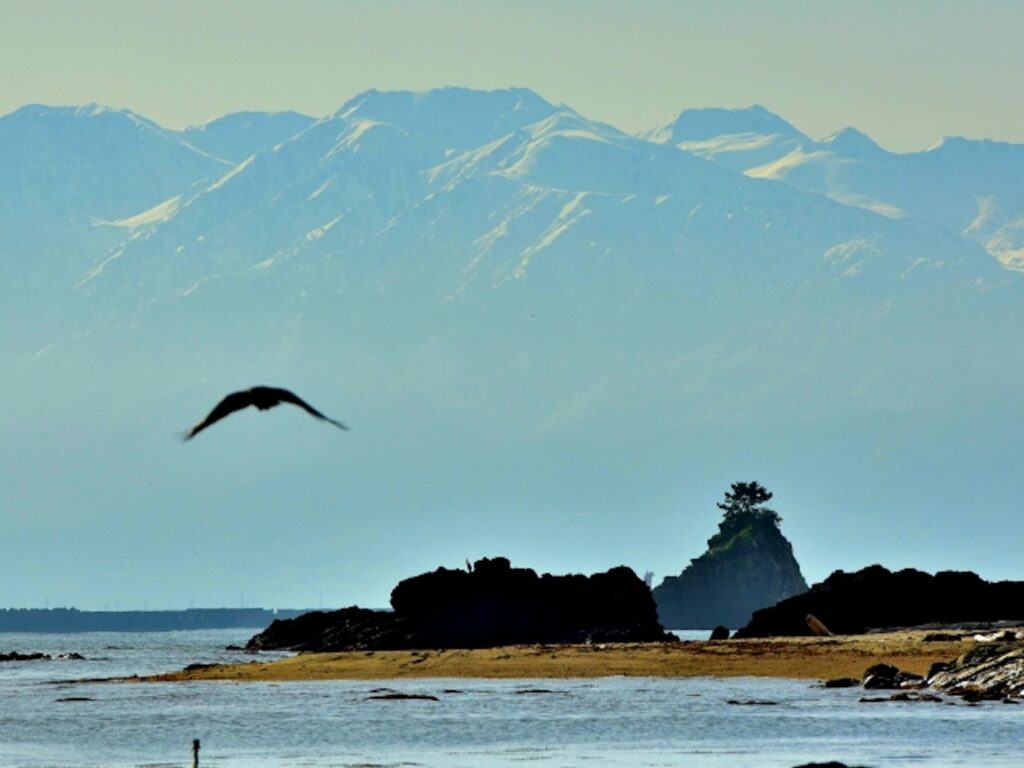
[{"x": 906, "y": 73}]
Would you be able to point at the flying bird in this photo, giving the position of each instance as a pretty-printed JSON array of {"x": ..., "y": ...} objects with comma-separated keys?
[{"x": 262, "y": 398}]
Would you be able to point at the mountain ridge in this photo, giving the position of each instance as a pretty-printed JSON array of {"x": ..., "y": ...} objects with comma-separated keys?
[
  {"x": 529, "y": 283},
  {"x": 957, "y": 183}
]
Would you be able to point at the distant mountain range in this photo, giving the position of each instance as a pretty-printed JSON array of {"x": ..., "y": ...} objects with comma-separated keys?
[
  {"x": 487, "y": 271},
  {"x": 971, "y": 188}
]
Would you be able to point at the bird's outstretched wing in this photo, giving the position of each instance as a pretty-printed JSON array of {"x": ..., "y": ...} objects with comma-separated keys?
[
  {"x": 236, "y": 401},
  {"x": 284, "y": 396}
]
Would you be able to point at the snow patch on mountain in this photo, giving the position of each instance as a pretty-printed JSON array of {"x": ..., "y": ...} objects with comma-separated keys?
[{"x": 970, "y": 187}]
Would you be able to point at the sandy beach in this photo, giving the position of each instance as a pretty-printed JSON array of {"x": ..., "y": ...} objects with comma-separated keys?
[{"x": 807, "y": 658}]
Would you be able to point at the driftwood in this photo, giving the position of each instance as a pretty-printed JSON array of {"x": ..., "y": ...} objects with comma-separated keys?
[{"x": 816, "y": 626}]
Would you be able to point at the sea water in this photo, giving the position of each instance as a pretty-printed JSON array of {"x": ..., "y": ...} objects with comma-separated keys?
[{"x": 52, "y": 715}]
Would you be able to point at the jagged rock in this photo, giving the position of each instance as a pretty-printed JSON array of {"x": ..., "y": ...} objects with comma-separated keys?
[
  {"x": 989, "y": 671},
  {"x": 748, "y": 565},
  {"x": 916, "y": 696},
  {"x": 942, "y": 637},
  {"x": 888, "y": 677},
  {"x": 349, "y": 628},
  {"x": 15, "y": 656},
  {"x": 902, "y": 696},
  {"x": 851, "y": 603},
  {"x": 842, "y": 682},
  {"x": 1006, "y": 636},
  {"x": 489, "y": 605}
]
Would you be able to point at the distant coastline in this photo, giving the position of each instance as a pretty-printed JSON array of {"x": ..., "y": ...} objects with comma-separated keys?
[{"x": 73, "y": 620}]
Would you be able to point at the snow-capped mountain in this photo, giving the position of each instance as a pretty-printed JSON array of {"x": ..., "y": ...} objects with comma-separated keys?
[
  {"x": 452, "y": 203},
  {"x": 970, "y": 187},
  {"x": 482, "y": 278},
  {"x": 64, "y": 165},
  {"x": 65, "y": 173},
  {"x": 236, "y": 136},
  {"x": 522, "y": 187},
  {"x": 735, "y": 138}
]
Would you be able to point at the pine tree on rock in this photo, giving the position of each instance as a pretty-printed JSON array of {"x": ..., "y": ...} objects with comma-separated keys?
[
  {"x": 748, "y": 565},
  {"x": 745, "y": 503}
]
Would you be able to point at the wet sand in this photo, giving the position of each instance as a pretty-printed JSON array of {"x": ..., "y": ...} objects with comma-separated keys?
[{"x": 791, "y": 657}]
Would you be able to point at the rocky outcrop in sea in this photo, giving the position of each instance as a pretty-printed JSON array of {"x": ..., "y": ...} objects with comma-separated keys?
[
  {"x": 490, "y": 604},
  {"x": 37, "y": 656},
  {"x": 988, "y": 671},
  {"x": 748, "y": 565},
  {"x": 991, "y": 670},
  {"x": 876, "y": 598}
]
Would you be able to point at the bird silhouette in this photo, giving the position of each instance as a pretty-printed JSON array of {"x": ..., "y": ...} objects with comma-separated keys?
[{"x": 262, "y": 398}]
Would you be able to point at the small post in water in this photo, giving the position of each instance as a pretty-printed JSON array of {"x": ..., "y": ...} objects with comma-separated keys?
[{"x": 195, "y": 753}]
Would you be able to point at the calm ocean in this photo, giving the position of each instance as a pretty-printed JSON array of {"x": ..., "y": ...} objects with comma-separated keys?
[{"x": 48, "y": 719}]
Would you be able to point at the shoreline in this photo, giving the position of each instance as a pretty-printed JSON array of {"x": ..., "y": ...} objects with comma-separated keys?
[{"x": 819, "y": 658}]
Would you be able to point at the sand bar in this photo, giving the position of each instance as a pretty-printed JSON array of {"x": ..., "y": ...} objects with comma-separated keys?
[{"x": 806, "y": 658}]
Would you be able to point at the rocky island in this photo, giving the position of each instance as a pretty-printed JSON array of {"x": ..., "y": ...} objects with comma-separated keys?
[
  {"x": 487, "y": 605},
  {"x": 748, "y": 565},
  {"x": 877, "y": 598}
]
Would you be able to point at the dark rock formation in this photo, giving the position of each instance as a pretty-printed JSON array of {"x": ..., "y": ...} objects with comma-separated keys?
[
  {"x": 852, "y": 603},
  {"x": 491, "y": 604},
  {"x": 943, "y": 637},
  {"x": 842, "y": 682},
  {"x": 989, "y": 671},
  {"x": 15, "y": 656},
  {"x": 749, "y": 564},
  {"x": 719, "y": 633},
  {"x": 347, "y": 629},
  {"x": 902, "y": 696},
  {"x": 886, "y": 677}
]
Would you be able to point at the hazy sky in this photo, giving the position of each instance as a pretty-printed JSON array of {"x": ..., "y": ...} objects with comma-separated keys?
[
  {"x": 125, "y": 514},
  {"x": 906, "y": 72}
]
